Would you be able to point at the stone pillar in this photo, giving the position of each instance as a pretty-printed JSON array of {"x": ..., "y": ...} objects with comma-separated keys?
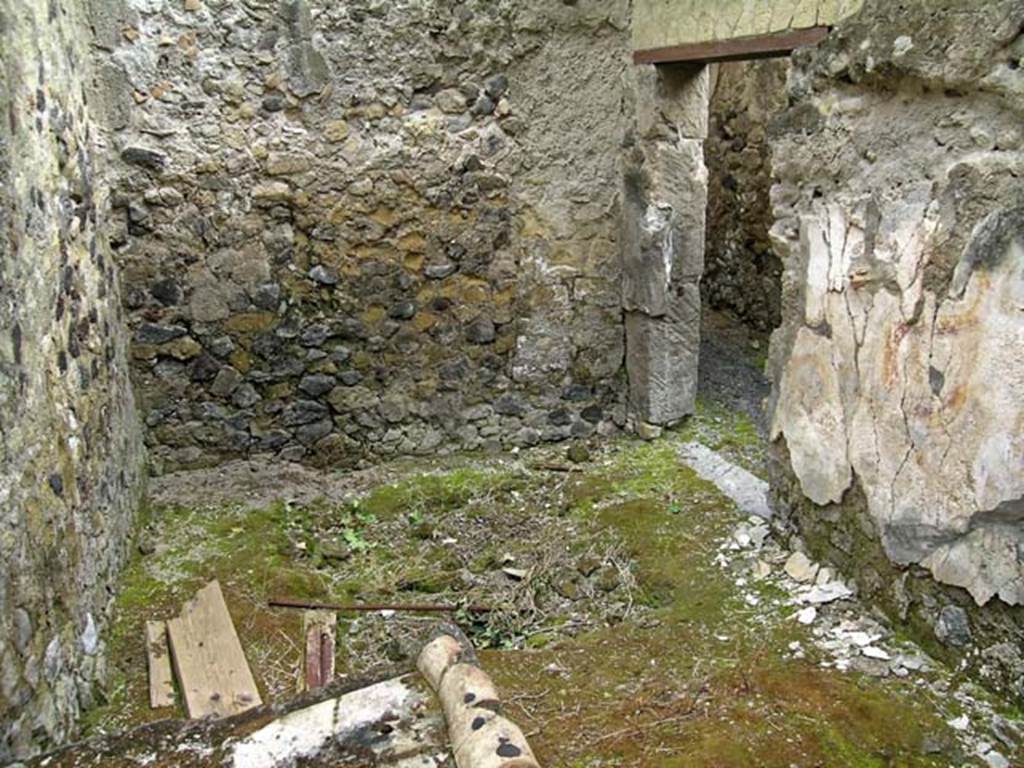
[{"x": 665, "y": 202}]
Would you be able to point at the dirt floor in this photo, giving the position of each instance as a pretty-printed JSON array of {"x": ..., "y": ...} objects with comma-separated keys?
[
  {"x": 617, "y": 635},
  {"x": 631, "y": 621}
]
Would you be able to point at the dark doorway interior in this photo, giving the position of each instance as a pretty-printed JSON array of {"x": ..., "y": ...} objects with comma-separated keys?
[{"x": 741, "y": 285}]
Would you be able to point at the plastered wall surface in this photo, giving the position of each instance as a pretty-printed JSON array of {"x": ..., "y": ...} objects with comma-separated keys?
[
  {"x": 897, "y": 413},
  {"x": 663, "y": 23}
]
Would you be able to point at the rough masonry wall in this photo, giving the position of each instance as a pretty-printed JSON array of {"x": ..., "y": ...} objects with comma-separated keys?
[
  {"x": 70, "y": 449},
  {"x": 366, "y": 228},
  {"x": 898, "y": 414},
  {"x": 742, "y": 274}
]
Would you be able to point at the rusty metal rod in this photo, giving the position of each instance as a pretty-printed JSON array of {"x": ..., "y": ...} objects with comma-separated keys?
[{"x": 360, "y": 607}]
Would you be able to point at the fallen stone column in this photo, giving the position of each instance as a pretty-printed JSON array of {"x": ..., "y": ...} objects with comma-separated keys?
[{"x": 481, "y": 737}]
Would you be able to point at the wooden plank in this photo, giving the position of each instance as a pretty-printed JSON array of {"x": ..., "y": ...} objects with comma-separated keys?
[
  {"x": 320, "y": 628},
  {"x": 161, "y": 679},
  {"x": 754, "y": 47},
  {"x": 214, "y": 676}
]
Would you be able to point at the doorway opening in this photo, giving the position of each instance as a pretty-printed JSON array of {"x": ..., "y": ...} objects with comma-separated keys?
[{"x": 741, "y": 287}]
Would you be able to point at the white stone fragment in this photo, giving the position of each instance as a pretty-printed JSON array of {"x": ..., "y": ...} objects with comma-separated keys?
[
  {"x": 800, "y": 568},
  {"x": 961, "y": 723},
  {"x": 807, "y": 615},
  {"x": 749, "y": 492},
  {"x": 874, "y": 652},
  {"x": 913, "y": 663},
  {"x": 827, "y": 593},
  {"x": 861, "y": 639}
]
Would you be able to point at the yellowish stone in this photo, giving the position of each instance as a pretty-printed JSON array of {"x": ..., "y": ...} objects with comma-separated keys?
[
  {"x": 336, "y": 131},
  {"x": 250, "y": 322}
]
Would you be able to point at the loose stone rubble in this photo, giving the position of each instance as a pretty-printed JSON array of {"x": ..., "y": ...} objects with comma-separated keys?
[
  {"x": 849, "y": 638},
  {"x": 843, "y": 629}
]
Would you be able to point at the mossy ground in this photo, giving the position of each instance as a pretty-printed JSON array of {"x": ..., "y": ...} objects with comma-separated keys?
[
  {"x": 707, "y": 681},
  {"x": 670, "y": 667}
]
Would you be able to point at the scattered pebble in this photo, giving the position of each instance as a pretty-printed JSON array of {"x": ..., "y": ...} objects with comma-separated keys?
[
  {"x": 961, "y": 723},
  {"x": 807, "y": 615},
  {"x": 800, "y": 568}
]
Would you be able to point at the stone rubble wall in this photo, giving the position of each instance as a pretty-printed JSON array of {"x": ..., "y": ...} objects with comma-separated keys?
[
  {"x": 898, "y": 409},
  {"x": 70, "y": 444},
  {"x": 742, "y": 274},
  {"x": 360, "y": 229}
]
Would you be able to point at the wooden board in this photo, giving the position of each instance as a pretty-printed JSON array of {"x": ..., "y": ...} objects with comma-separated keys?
[
  {"x": 320, "y": 629},
  {"x": 158, "y": 656},
  {"x": 754, "y": 47},
  {"x": 214, "y": 676}
]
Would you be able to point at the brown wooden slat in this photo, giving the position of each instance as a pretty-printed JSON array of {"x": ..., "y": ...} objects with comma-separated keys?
[
  {"x": 754, "y": 47},
  {"x": 158, "y": 656},
  {"x": 320, "y": 627},
  {"x": 214, "y": 676}
]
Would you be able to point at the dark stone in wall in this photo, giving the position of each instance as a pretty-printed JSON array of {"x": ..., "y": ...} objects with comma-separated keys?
[{"x": 144, "y": 158}]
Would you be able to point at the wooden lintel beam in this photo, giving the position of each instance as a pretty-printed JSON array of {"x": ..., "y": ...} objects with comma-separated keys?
[{"x": 754, "y": 47}]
